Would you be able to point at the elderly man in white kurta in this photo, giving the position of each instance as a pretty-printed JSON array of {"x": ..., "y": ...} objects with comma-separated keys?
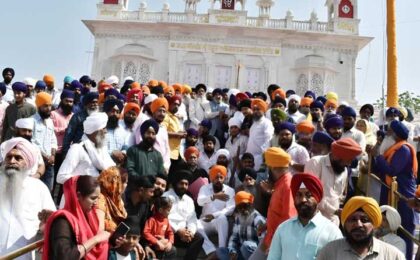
[
  {"x": 332, "y": 170},
  {"x": 21, "y": 197},
  {"x": 218, "y": 202},
  {"x": 90, "y": 156},
  {"x": 261, "y": 132}
]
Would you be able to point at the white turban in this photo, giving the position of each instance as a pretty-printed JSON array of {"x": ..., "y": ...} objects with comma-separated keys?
[
  {"x": 29, "y": 82},
  {"x": 210, "y": 90},
  {"x": 233, "y": 91},
  {"x": 150, "y": 98},
  {"x": 294, "y": 97},
  {"x": 95, "y": 122},
  {"x": 393, "y": 217},
  {"x": 25, "y": 123},
  {"x": 235, "y": 121},
  {"x": 224, "y": 152},
  {"x": 27, "y": 149},
  {"x": 128, "y": 78},
  {"x": 112, "y": 80}
]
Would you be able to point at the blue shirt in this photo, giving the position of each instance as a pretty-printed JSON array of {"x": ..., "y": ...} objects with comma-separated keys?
[
  {"x": 116, "y": 139},
  {"x": 292, "y": 240}
]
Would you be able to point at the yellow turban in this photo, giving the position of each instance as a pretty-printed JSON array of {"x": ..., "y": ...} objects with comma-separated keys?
[
  {"x": 367, "y": 204},
  {"x": 43, "y": 98},
  {"x": 332, "y": 95},
  {"x": 187, "y": 89},
  {"x": 216, "y": 169},
  {"x": 244, "y": 197},
  {"x": 277, "y": 157},
  {"x": 261, "y": 104},
  {"x": 159, "y": 102}
]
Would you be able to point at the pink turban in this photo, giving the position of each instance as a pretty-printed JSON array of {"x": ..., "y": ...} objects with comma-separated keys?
[{"x": 24, "y": 146}]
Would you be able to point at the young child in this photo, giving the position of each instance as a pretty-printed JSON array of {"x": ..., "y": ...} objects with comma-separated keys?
[
  {"x": 157, "y": 231},
  {"x": 127, "y": 251}
]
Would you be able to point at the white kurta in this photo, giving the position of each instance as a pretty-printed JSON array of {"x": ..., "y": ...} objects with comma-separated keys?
[
  {"x": 78, "y": 162},
  {"x": 334, "y": 185},
  {"x": 205, "y": 162},
  {"x": 197, "y": 110},
  {"x": 182, "y": 213},
  {"x": 357, "y": 135},
  {"x": 19, "y": 231},
  {"x": 260, "y": 135}
]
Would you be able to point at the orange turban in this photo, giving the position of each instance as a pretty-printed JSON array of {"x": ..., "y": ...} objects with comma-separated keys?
[
  {"x": 132, "y": 106},
  {"x": 306, "y": 101},
  {"x": 178, "y": 87},
  {"x": 146, "y": 90},
  {"x": 216, "y": 169},
  {"x": 48, "y": 79},
  {"x": 43, "y": 98},
  {"x": 244, "y": 197},
  {"x": 157, "y": 103},
  {"x": 153, "y": 83},
  {"x": 101, "y": 98},
  {"x": 103, "y": 86},
  {"x": 278, "y": 92},
  {"x": 163, "y": 84},
  {"x": 367, "y": 204},
  {"x": 331, "y": 103},
  {"x": 277, "y": 157},
  {"x": 168, "y": 89},
  {"x": 260, "y": 104},
  {"x": 135, "y": 85},
  {"x": 346, "y": 149},
  {"x": 191, "y": 150},
  {"x": 305, "y": 127}
]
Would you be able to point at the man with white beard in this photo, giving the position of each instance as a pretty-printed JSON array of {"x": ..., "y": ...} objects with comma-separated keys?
[
  {"x": 21, "y": 196},
  {"x": 90, "y": 156}
]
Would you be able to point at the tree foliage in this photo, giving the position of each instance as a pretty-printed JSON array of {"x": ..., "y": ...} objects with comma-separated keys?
[{"x": 406, "y": 99}]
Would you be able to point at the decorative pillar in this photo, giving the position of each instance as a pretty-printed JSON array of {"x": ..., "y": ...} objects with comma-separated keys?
[{"x": 392, "y": 88}]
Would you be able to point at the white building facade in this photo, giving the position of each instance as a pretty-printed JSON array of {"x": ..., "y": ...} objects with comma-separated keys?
[{"x": 228, "y": 49}]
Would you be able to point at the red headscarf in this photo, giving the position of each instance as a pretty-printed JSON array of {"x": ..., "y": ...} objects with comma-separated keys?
[{"x": 84, "y": 226}]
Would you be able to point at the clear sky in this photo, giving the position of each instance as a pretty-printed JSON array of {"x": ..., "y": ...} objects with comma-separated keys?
[{"x": 47, "y": 36}]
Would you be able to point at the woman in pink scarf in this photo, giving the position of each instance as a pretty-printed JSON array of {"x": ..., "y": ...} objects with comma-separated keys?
[{"x": 72, "y": 233}]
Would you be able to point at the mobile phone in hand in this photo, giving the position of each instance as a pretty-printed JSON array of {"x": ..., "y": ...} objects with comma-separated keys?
[{"x": 121, "y": 231}]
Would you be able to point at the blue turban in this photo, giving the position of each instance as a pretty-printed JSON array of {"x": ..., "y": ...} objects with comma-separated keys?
[
  {"x": 290, "y": 92},
  {"x": 348, "y": 111},
  {"x": 232, "y": 100},
  {"x": 40, "y": 84},
  {"x": 192, "y": 131},
  {"x": 111, "y": 103},
  {"x": 248, "y": 94},
  {"x": 322, "y": 138},
  {"x": 67, "y": 94},
  {"x": 121, "y": 97},
  {"x": 85, "y": 79},
  {"x": 76, "y": 85},
  {"x": 20, "y": 86},
  {"x": 3, "y": 88},
  {"x": 217, "y": 91},
  {"x": 112, "y": 92},
  {"x": 157, "y": 90},
  {"x": 317, "y": 104},
  {"x": 321, "y": 99},
  {"x": 333, "y": 120},
  {"x": 392, "y": 111},
  {"x": 147, "y": 124},
  {"x": 68, "y": 79},
  {"x": 89, "y": 97},
  {"x": 310, "y": 94},
  {"x": 206, "y": 123},
  {"x": 399, "y": 129},
  {"x": 286, "y": 126}
]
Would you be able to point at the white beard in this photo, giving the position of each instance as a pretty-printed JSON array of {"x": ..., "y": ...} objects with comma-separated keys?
[
  {"x": 100, "y": 141},
  {"x": 90, "y": 112},
  {"x": 386, "y": 144},
  {"x": 11, "y": 186}
]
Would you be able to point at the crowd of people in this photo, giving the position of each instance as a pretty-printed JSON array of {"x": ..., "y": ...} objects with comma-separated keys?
[{"x": 126, "y": 170}]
